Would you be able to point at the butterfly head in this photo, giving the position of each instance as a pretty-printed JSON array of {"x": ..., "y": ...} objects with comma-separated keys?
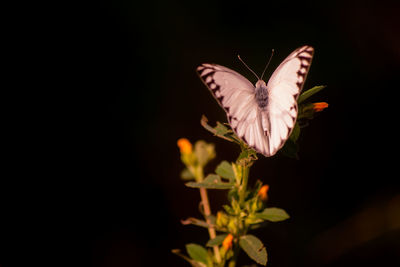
[{"x": 260, "y": 83}]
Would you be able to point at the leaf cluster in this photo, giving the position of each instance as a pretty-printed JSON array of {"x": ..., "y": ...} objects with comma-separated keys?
[
  {"x": 306, "y": 112},
  {"x": 247, "y": 207},
  {"x": 246, "y": 211}
]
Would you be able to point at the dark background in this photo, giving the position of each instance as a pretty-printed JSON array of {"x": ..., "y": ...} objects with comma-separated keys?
[{"x": 101, "y": 184}]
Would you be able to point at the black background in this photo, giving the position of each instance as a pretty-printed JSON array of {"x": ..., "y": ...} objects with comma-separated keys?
[{"x": 99, "y": 183}]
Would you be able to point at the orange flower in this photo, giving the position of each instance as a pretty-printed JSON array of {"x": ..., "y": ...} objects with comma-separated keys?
[
  {"x": 263, "y": 192},
  {"x": 227, "y": 243},
  {"x": 185, "y": 146},
  {"x": 320, "y": 106}
]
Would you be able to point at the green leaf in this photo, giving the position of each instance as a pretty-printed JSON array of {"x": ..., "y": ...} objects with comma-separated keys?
[
  {"x": 306, "y": 94},
  {"x": 212, "y": 178},
  {"x": 254, "y": 248},
  {"x": 295, "y": 133},
  {"x": 195, "y": 221},
  {"x": 201, "y": 152},
  {"x": 221, "y": 129},
  {"x": 257, "y": 187},
  {"x": 290, "y": 149},
  {"x": 273, "y": 215},
  {"x": 192, "y": 262},
  {"x": 251, "y": 219},
  {"x": 216, "y": 241},
  {"x": 228, "y": 209},
  {"x": 225, "y": 170},
  {"x": 246, "y": 156},
  {"x": 306, "y": 111},
  {"x": 187, "y": 175},
  {"x": 212, "y": 181},
  {"x": 197, "y": 253}
]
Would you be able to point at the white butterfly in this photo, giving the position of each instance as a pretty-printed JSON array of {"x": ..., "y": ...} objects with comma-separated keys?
[{"x": 263, "y": 115}]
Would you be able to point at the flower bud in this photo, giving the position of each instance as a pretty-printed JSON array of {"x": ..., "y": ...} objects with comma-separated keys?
[
  {"x": 262, "y": 193},
  {"x": 320, "y": 106},
  {"x": 222, "y": 219},
  {"x": 227, "y": 243},
  {"x": 185, "y": 146}
]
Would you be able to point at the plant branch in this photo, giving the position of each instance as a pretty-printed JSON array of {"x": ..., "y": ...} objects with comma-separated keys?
[
  {"x": 207, "y": 213},
  {"x": 243, "y": 186}
]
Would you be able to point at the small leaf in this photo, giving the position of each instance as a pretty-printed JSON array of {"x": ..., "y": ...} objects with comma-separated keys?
[
  {"x": 216, "y": 241},
  {"x": 290, "y": 149},
  {"x": 186, "y": 174},
  {"x": 201, "y": 152},
  {"x": 258, "y": 225},
  {"x": 197, "y": 253},
  {"x": 306, "y": 111},
  {"x": 257, "y": 187},
  {"x": 221, "y": 129},
  {"x": 195, "y": 221},
  {"x": 295, "y": 133},
  {"x": 204, "y": 123},
  {"x": 253, "y": 220},
  {"x": 235, "y": 206},
  {"x": 228, "y": 209},
  {"x": 254, "y": 248},
  {"x": 225, "y": 170},
  {"x": 212, "y": 178},
  {"x": 310, "y": 92},
  {"x": 246, "y": 156},
  {"x": 192, "y": 262},
  {"x": 212, "y": 181},
  {"x": 273, "y": 215}
]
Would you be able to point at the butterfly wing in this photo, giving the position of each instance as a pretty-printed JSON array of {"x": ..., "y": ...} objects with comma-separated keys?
[
  {"x": 284, "y": 87},
  {"x": 236, "y": 95}
]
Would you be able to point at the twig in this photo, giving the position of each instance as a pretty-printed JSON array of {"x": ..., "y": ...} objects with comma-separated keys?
[{"x": 207, "y": 213}]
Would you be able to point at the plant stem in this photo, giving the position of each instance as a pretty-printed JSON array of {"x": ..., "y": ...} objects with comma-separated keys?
[
  {"x": 243, "y": 186},
  {"x": 207, "y": 213},
  {"x": 232, "y": 262},
  {"x": 245, "y": 169}
]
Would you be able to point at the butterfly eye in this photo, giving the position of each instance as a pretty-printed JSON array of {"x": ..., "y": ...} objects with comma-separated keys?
[{"x": 261, "y": 83}]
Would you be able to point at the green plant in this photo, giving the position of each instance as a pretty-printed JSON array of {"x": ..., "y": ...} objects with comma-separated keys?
[{"x": 230, "y": 228}]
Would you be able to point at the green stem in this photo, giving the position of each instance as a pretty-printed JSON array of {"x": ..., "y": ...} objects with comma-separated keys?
[
  {"x": 232, "y": 262},
  {"x": 245, "y": 169},
  {"x": 245, "y": 179}
]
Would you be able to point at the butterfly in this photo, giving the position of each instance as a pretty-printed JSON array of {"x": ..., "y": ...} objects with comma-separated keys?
[{"x": 262, "y": 115}]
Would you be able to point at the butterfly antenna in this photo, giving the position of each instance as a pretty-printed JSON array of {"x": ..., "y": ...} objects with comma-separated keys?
[
  {"x": 248, "y": 67},
  {"x": 272, "y": 53}
]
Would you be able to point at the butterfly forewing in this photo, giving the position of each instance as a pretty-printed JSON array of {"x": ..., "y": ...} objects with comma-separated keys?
[
  {"x": 236, "y": 95},
  {"x": 264, "y": 128},
  {"x": 284, "y": 88}
]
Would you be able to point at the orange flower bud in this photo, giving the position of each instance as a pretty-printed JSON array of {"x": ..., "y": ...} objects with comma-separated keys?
[
  {"x": 227, "y": 243},
  {"x": 222, "y": 219},
  {"x": 263, "y": 192},
  {"x": 320, "y": 106},
  {"x": 185, "y": 146}
]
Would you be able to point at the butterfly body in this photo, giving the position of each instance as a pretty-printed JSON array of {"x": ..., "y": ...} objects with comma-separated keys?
[
  {"x": 263, "y": 115},
  {"x": 261, "y": 94}
]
